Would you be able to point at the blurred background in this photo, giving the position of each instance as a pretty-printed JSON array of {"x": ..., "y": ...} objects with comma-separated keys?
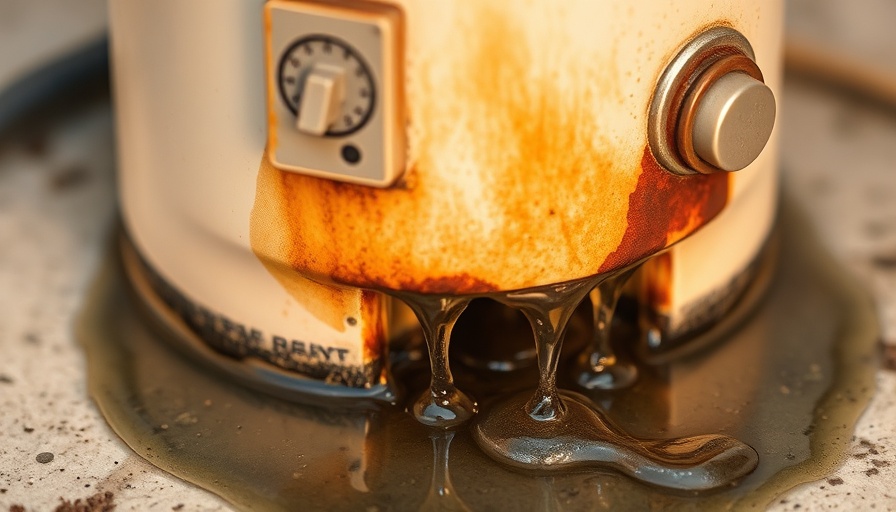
[{"x": 57, "y": 208}]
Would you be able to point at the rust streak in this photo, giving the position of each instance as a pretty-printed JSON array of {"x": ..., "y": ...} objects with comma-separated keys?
[
  {"x": 513, "y": 181},
  {"x": 664, "y": 209},
  {"x": 374, "y": 318},
  {"x": 658, "y": 282}
]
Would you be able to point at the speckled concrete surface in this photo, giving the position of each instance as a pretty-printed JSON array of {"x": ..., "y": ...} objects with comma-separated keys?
[
  {"x": 56, "y": 211},
  {"x": 838, "y": 160},
  {"x": 839, "y": 163},
  {"x": 57, "y": 208}
]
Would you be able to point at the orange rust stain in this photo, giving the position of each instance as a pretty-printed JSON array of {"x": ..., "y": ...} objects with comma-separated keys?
[
  {"x": 270, "y": 89},
  {"x": 373, "y": 319},
  {"x": 512, "y": 180},
  {"x": 457, "y": 284},
  {"x": 657, "y": 281},
  {"x": 554, "y": 175},
  {"x": 664, "y": 209},
  {"x": 269, "y": 237},
  {"x": 271, "y": 240}
]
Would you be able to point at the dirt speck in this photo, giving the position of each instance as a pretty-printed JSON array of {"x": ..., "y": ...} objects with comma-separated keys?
[
  {"x": 68, "y": 178},
  {"x": 872, "y": 448},
  {"x": 872, "y": 472},
  {"x": 880, "y": 463},
  {"x": 28, "y": 430},
  {"x": 888, "y": 360},
  {"x": 44, "y": 457},
  {"x": 835, "y": 481},
  {"x": 16, "y": 508},
  {"x": 5, "y": 379},
  {"x": 884, "y": 261},
  {"x": 99, "y": 502},
  {"x": 178, "y": 506},
  {"x": 36, "y": 145},
  {"x": 877, "y": 229}
]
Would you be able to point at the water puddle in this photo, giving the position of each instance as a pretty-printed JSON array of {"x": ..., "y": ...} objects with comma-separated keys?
[{"x": 788, "y": 380}]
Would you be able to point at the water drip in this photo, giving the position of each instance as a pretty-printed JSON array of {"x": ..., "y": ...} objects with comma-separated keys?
[
  {"x": 442, "y": 405},
  {"x": 600, "y": 367},
  {"x": 548, "y": 310}
]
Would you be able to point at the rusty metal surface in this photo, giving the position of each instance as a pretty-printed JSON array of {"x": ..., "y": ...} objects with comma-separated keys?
[{"x": 528, "y": 162}]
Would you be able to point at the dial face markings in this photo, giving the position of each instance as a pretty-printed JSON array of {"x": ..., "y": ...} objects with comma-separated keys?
[{"x": 299, "y": 59}]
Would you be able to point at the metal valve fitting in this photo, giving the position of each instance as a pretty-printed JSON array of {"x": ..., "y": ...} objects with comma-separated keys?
[{"x": 711, "y": 111}]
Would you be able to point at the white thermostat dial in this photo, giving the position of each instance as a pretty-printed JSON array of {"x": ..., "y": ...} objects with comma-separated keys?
[
  {"x": 322, "y": 69},
  {"x": 335, "y": 90}
]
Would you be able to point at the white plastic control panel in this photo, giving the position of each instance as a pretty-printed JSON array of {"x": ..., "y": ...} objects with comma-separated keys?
[{"x": 335, "y": 90}]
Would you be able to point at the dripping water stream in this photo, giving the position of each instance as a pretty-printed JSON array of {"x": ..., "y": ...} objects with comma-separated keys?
[
  {"x": 442, "y": 405},
  {"x": 600, "y": 366},
  {"x": 548, "y": 311}
]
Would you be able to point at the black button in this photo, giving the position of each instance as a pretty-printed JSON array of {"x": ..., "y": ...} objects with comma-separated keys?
[{"x": 351, "y": 154}]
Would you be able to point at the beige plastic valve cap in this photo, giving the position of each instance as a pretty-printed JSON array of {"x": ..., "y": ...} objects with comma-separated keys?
[{"x": 734, "y": 121}]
